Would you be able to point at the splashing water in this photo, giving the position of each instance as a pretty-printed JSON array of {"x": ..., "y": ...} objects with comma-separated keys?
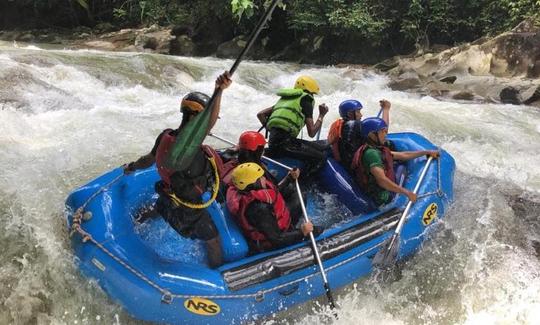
[{"x": 69, "y": 116}]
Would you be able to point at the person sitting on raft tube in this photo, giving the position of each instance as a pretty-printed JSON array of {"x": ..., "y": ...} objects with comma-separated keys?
[
  {"x": 261, "y": 212},
  {"x": 373, "y": 163},
  {"x": 250, "y": 150},
  {"x": 179, "y": 201},
  {"x": 288, "y": 116},
  {"x": 344, "y": 134}
]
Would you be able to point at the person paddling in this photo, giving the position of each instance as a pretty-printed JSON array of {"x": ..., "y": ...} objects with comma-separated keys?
[
  {"x": 288, "y": 116},
  {"x": 373, "y": 163},
  {"x": 261, "y": 212},
  {"x": 180, "y": 202}
]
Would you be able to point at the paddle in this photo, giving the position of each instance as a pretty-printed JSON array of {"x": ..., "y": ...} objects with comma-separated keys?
[
  {"x": 192, "y": 135},
  {"x": 327, "y": 289},
  {"x": 387, "y": 254}
]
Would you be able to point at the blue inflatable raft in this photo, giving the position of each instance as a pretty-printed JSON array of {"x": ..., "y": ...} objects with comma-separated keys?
[{"x": 158, "y": 276}]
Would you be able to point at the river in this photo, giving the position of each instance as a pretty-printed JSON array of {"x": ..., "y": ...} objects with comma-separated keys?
[{"x": 67, "y": 117}]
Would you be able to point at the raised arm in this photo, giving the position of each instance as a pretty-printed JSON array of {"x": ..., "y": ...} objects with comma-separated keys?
[
  {"x": 313, "y": 128},
  {"x": 222, "y": 83},
  {"x": 385, "y": 106}
]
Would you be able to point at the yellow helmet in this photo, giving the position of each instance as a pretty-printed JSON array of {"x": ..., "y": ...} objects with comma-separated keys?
[
  {"x": 308, "y": 84},
  {"x": 246, "y": 174}
]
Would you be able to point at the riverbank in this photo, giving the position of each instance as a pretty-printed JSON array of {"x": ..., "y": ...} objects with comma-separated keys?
[{"x": 501, "y": 69}]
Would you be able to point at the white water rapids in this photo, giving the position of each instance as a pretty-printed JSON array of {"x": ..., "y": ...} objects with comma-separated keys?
[{"x": 67, "y": 117}]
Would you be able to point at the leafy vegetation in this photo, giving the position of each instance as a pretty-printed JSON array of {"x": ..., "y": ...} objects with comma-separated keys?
[{"x": 370, "y": 26}]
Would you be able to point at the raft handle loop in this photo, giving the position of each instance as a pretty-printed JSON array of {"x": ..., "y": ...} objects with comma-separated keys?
[
  {"x": 167, "y": 298},
  {"x": 259, "y": 296}
]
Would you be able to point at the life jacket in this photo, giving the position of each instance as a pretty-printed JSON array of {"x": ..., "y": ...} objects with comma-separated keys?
[
  {"x": 164, "y": 147},
  {"x": 238, "y": 201},
  {"x": 226, "y": 173},
  {"x": 334, "y": 136},
  {"x": 199, "y": 183},
  {"x": 167, "y": 141},
  {"x": 287, "y": 112},
  {"x": 362, "y": 175}
]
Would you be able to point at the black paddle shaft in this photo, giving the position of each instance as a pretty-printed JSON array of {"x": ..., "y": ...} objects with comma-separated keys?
[
  {"x": 180, "y": 160},
  {"x": 254, "y": 34},
  {"x": 329, "y": 295}
]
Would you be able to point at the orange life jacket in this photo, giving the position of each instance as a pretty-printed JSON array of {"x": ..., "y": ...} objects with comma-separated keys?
[{"x": 334, "y": 136}]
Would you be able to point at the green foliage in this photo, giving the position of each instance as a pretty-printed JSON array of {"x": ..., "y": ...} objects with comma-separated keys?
[
  {"x": 241, "y": 7},
  {"x": 349, "y": 25},
  {"x": 416, "y": 21}
]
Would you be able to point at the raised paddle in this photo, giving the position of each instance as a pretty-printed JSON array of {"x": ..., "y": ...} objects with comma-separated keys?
[
  {"x": 387, "y": 254},
  {"x": 327, "y": 289},
  {"x": 192, "y": 135}
]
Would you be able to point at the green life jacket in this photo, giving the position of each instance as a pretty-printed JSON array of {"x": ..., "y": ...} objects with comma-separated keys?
[{"x": 287, "y": 112}]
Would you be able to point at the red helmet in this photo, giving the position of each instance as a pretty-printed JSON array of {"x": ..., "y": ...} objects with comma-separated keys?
[{"x": 251, "y": 140}]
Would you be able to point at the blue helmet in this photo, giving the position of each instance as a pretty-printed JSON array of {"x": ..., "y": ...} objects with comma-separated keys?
[
  {"x": 372, "y": 124},
  {"x": 347, "y": 106}
]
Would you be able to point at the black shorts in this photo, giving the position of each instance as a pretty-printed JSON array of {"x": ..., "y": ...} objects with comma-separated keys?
[{"x": 188, "y": 222}]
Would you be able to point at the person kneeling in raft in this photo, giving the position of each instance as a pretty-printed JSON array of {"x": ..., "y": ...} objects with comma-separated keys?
[
  {"x": 179, "y": 201},
  {"x": 373, "y": 163},
  {"x": 261, "y": 212}
]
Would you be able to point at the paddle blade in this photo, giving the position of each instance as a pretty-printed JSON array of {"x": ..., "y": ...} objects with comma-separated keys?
[
  {"x": 387, "y": 254},
  {"x": 188, "y": 142}
]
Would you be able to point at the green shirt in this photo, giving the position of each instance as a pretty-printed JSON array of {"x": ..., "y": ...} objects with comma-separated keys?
[{"x": 373, "y": 158}]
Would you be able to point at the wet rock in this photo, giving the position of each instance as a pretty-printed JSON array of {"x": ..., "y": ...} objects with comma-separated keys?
[
  {"x": 526, "y": 26},
  {"x": 9, "y": 35},
  {"x": 439, "y": 47},
  {"x": 405, "y": 83},
  {"x": 102, "y": 45},
  {"x": 449, "y": 79},
  {"x": 463, "y": 95},
  {"x": 531, "y": 95},
  {"x": 232, "y": 48},
  {"x": 45, "y": 38},
  {"x": 510, "y": 95},
  {"x": 150, "y": 43},
  {"x": 500, "y": 68},
  {"x": 114, "y": 41},
  {"x": 182, "y": 45},
  {"x": 25, "y": 37},
  {"x": 387, "y": 64},
  {"x": 156, "y": 40}
]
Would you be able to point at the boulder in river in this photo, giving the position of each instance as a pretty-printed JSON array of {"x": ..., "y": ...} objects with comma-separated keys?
[
  {"x": 232, "y": 48},
  {"x": 499, "y": 69},
  {"x": 182, "y": 45}
]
